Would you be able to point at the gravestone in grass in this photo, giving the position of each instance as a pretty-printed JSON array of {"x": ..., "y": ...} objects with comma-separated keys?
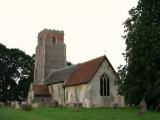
[
  {"x": 143, "y": 106},
  {"x": 17, "y": 106}
]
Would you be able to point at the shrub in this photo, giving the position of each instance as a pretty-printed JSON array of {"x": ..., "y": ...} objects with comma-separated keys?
[
  {"x": 54, "y": 103},
  {"x": 26, "y": 107}
]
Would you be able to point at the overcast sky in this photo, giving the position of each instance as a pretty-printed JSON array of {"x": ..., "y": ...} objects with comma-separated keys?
[{"x": 92, "y": 27}]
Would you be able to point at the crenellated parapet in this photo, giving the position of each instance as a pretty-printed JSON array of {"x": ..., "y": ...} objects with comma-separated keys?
[
  {"x": 48, "y": 34},
  {"x": 51, "y": 31}
]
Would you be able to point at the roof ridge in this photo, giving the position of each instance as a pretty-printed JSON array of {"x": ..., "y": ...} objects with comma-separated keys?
[
  {"x": 60, "y": 75},
  {"x": 94, "y": 59},
  {"x": 65, "y": 67},
  {"x": 87, "y": 68}
]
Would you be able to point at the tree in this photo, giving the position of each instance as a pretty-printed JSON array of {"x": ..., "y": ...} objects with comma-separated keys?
[
  {"x": 69, "y": 63},
  {"x": 140, "y": 77},
  {"x": 16, "y": 68},
  {"x": 24, "y": 84}
]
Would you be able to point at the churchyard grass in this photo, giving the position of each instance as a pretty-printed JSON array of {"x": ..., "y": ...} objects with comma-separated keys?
[{"x": 49, "y": 113}]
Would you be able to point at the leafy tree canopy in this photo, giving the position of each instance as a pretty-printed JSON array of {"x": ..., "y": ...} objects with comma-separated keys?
[
  {"x": 140, "y": 77},
  {"x": 16, "y": 74}
]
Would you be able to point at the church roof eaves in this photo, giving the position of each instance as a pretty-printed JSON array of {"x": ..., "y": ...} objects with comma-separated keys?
[{"x": 61, "y": 75}]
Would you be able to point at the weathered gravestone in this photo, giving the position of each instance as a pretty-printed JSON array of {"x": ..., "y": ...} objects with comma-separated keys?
[
  {"x": 17, "y": 106},
  {"x": 143, "y": 106},
  {"x": 1, "y": 104}
]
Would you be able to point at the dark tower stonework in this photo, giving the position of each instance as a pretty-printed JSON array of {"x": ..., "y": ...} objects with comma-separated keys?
[{"x": 50, "y": 54}]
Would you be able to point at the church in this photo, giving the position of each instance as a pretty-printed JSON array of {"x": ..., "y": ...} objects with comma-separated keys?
[{"x": 88, "y": 84}]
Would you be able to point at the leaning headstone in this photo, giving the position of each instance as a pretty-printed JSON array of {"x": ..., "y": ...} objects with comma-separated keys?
[
  {"x": 17, "y": 106},
  {"x": 115, "y": 105},
  {"x": 1, "y": 104},
  {"x": 12, "y": 104},
  {"x": 143, "y": 106},
  {"x": 71, "y": 105}
]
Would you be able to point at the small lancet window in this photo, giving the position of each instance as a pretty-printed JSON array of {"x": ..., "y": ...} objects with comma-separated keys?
[
  {"x": 40, "y": 41},
  {"x": 53, "y": 62},
  {"x": 104, "y": 85},
  {"x": 53, "y": 40}
]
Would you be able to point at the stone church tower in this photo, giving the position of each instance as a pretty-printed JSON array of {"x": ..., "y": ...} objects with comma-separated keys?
[{"x": 50, "y": 54}]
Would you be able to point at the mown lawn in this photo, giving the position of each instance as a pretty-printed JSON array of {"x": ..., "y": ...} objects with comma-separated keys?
[{"x": 81, "y": 114}]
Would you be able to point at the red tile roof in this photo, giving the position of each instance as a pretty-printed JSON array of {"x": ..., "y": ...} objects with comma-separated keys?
[
  {"x": 41, "y": 90},
  {"x": 85, "y": 72}
]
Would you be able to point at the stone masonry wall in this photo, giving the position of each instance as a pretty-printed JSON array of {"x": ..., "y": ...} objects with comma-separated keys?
[
  {"x": 105, "y": 101},
  {"x": 50, "y": 54},
  {"x": 78, "y": 94},
  {"x": 57, "y": 92}
]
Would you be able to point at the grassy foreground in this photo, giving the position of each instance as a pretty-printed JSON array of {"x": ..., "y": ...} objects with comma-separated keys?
[{"x": 81, "y": 114}]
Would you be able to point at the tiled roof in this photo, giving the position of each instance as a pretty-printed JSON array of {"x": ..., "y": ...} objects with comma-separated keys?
[
  {"x": 41, "y": 90},
  {"x": 60, "y": 75},
  {"x": 85, "y": 72}
]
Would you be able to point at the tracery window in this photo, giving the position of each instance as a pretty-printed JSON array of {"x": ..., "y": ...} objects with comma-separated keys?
[{"x": 104, "y": 85}]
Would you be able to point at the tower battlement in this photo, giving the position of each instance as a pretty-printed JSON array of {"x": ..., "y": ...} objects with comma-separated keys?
[
  {"x": 48, "y": 34},
  {"x": 51, "y": 31}
]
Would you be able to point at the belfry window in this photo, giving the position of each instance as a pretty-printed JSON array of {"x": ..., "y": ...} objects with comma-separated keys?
[
  {"x": 40, "y": 41},
  {"x": 104, "y": 85},
  {"x": 53, "y": 62},
  {"x": 53, "y": 40}
]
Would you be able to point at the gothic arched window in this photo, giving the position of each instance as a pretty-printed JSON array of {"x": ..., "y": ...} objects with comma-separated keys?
[{"x": 104, "y": 85}]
